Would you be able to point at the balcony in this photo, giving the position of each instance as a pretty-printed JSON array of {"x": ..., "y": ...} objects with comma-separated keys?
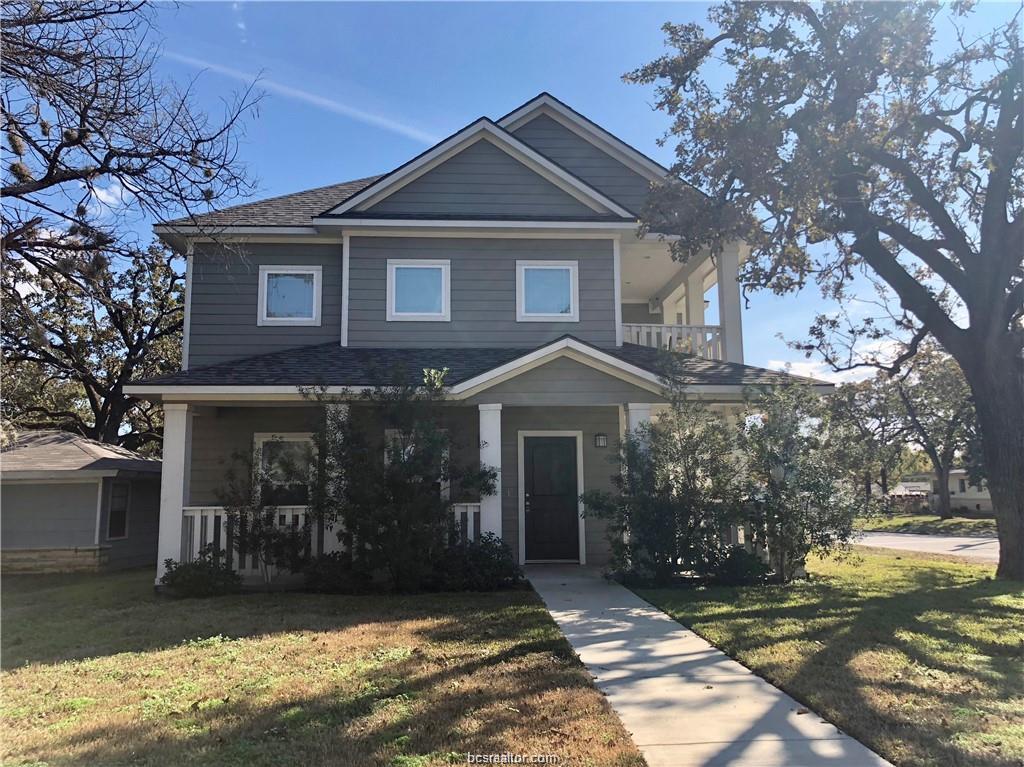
[{"x": 700, "y": 340}]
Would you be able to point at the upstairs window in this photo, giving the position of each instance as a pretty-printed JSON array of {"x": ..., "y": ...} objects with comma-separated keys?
[
  {"x": 290, "y": 295},
  {"x": 547, "y": 291},
  {"x": 419, "y": 290},
  {"x": 117, "y": 519}
]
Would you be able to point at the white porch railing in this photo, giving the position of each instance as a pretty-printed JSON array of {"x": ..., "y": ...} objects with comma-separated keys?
[
  {"x": 203, "y": 525},
  {"x": 467, "y": 517},
  {"x": 701, "y": 340}
]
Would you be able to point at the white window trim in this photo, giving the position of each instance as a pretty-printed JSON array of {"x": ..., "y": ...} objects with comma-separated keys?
[
  {"x": 574, "y": 283},
  {"x": 260, "y": 439},
  {"x": 265, "y": 271},
  {"x": 127, "y": 510},
  {"x": 446, "y": 290}
]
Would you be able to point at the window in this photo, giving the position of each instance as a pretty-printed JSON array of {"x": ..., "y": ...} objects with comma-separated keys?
[
  {"x": 547, "y": 291},
  {"x": 117, "y": 518},
  {"x": 962, "y": 484},
  {"x": 284, "y": 462},
  {"x": 290, "y": 295},
  {"x": 395, "y": 438},
  {"x": 419, "y": 290}
]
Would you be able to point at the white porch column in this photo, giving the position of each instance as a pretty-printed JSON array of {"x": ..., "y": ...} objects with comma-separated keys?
[
  {"x": 729, "y": 310},
  {"x": 637, "y": 413},
  {"x": 173, "y": 482},
  {"x": 695, "y": 298},
  {"x": 490, "y": 455}
]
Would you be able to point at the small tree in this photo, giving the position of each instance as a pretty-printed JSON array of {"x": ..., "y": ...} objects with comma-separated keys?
[
  {"x": 677, "y": 489},
  {"x": 252, "y": 496},
  {"x": 392, "y": 501},
  {"x": 801, "y": 499}
]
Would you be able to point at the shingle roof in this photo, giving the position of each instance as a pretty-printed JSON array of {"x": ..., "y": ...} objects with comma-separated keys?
[
  {"x": 333, "y": 365},
  {"x": 296, "y": 209},
  {"x": 62, "y": 451}
]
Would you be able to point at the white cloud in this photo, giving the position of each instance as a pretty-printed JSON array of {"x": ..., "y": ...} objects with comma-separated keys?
[
  {"x": 820, "y": 371},
  {"x": 314, "y": 99}
]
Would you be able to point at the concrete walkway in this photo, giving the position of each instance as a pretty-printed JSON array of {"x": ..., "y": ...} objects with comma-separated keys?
[
  {"x": 984, "y": 549},
  {"x": 686, "y": 703}
]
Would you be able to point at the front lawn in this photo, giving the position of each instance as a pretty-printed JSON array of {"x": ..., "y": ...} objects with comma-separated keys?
[
  {"x": 100, "y": 671},
  {"x": 927, "y": 524},
  {"x": 918, "y": 657}
]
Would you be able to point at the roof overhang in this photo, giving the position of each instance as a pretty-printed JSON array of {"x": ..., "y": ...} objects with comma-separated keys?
[
  {"x": 482, "y": 129},
  {"x": 569, "y": 118}
]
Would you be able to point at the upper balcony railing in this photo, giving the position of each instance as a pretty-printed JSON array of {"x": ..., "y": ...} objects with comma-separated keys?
[{"x": 701, "y": 340}]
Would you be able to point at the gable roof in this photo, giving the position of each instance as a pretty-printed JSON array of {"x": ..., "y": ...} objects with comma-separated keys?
[
  {"x": 481, "y": 129},
  {"x": 332, "y": 365},
  {"x": 545, "y": 103},
  {"x": 37, "y": 452},
  {"x": 295, "y": 209}
]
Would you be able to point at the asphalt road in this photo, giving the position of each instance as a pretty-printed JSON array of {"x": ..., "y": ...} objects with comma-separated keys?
[{"x": 973, "y": 547}]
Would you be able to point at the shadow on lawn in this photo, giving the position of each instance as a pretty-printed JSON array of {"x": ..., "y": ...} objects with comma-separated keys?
[{"x": 883, "y": 711}]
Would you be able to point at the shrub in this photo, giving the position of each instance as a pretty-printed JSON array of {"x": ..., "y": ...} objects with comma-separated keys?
[
  {"x": 740, "y": 568},
  {"x": 333, "y": 574},
  {"x": 208, "y": 575},
  {"x": 485, "y": 564}
]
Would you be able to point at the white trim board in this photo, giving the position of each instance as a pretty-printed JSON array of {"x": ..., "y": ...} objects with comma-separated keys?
[
  {"x": 482, "y": 129},
  {"x": 521, "y": 486}
]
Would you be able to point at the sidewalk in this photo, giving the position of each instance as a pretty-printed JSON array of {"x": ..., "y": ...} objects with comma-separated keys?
[{"x": 686, "y": 703}]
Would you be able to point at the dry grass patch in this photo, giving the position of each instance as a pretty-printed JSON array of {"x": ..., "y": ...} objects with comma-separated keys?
[
  {"x": 99, "y": 671},
  {"x": 919, "y": 657}
]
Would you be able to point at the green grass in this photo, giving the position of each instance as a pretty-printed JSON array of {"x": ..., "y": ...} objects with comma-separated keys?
[
  {"x": 919, "y": 657},
  {"x": 99, "y": 671},
  {"x": 926, "y": 524}
]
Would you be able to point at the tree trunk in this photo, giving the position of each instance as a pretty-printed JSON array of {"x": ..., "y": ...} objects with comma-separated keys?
[
  {"x": 886, "y": 505},
  {"x": 945, "y": 510},
  {"x": 998, "y": 390}
]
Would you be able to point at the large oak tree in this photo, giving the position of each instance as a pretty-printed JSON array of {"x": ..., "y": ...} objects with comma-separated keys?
[{"x": 849, "y": 137}]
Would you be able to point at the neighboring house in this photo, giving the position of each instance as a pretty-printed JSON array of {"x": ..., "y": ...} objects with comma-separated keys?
[
  {"x": 963, "y": 496},
  {"x": 507, "y": 253},
  {"x": 71, "y": 503}
]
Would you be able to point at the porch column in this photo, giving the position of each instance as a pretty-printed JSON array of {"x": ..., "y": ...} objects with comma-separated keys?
[
  {"x": 729, "y": 311},
  {"x": 490, "y": 455},
  {"x": 695, "y": 298},
  {"x": 637, "y": 414},
  {"x": 173, "y": 482}
]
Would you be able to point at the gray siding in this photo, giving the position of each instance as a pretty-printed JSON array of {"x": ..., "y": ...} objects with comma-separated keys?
[
  {"x": 598, "y": 467},
  {"x": 482, "y": 180},
  {"x": 638, "y": 314},
  {"x": 43, "y": 516},
  {"x": 483, "y": 298},
  {"x": 139, "y": 548},
  {"x": 565, "y": 382},
  {"x": 585, "y": 160},
  {"x": 225, "y": 292}
]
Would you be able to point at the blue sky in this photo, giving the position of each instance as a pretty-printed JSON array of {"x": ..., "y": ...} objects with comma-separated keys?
[{"x": 356, "y": 89}]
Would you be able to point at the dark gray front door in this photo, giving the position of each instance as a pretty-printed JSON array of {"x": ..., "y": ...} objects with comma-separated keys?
[{"x": 551, "y": 498}]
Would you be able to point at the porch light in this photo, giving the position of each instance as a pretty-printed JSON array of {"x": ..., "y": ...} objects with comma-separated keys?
[{"x": 600, "y": 440}]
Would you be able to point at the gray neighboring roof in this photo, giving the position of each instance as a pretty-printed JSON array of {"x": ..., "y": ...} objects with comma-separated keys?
[
  {"x": 60, "y": 451},
  {"x": 333, "y": 365},
  {"x": 296, "y": 209}
]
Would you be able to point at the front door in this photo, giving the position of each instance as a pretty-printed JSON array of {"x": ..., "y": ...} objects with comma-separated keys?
[{"x": 551, "y": 498}]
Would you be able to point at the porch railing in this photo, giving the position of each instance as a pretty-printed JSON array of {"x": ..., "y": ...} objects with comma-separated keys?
[
  {"x": 701, "y": 340},
  {"x": 467, "y": 518}
]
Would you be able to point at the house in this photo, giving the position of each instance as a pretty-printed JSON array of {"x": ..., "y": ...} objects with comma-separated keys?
[
  {"x": 71, "y": 503},
  {"x": 507, "y": 253},
  {"x": 963, "y": 496}
]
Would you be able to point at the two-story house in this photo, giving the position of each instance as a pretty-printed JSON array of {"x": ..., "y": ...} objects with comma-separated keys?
[{"x": 507, "y": 253}]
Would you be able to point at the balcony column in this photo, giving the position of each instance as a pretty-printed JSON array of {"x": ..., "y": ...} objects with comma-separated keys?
[
  {"x": 729, "y": 309},
  {"x": 490, "y": 455},
  {"x": 174, "y": 477},
  {"x": 695, "y": 298}
]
